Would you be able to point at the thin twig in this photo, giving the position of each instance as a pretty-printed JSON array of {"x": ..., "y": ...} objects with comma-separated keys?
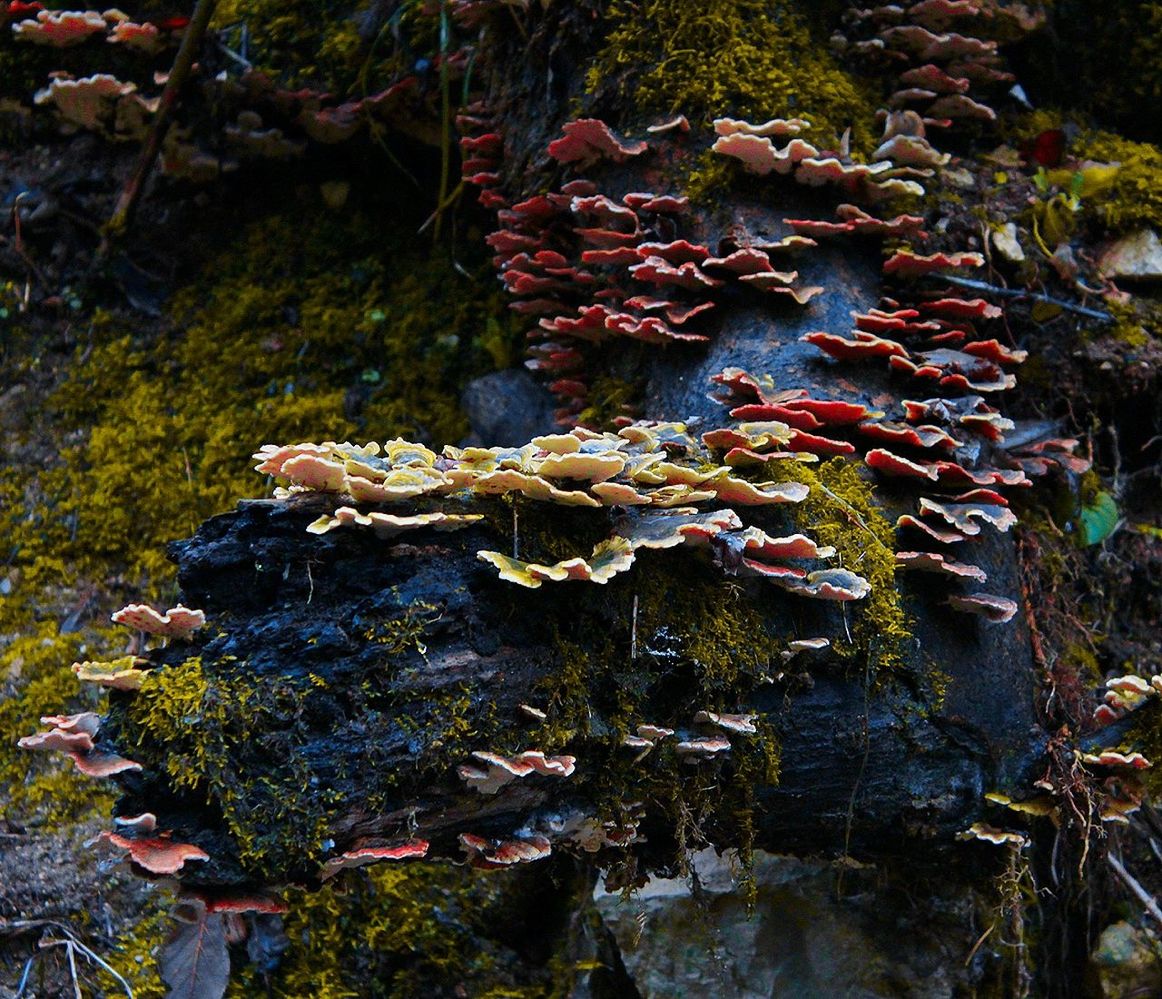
[
  {"x": 853, "y": 513},
  {"x": 1132, "y": 883},
  {"x": 445, "y": 117},
  {"x": 1037, "y": 296},
  {"x": 178, "y": 75},
  {"x": 633, "y": 631}
]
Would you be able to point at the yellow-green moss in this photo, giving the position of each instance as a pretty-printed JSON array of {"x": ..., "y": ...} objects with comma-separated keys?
[
  {"x": 308, "y": 328},
  {"x": 34, "y": 670},
  {"x": 1134, "y": 198},
  {"x": 314, "y": 44},
  {"x": 841, "y": 511},
  {"x": 748, "y": 58},
  {"x": 390, "y": 932}
]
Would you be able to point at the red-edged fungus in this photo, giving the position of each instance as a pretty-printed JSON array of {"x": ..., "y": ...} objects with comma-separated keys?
[
  {"x": 934, "y": 562},
  {"x": 73, "y": 735},
  {"x": 994, "y": 609},
  {"x": 923, "y": 436},
  {"x": 828, "y": 584},
  {"x": 935, "y": 533},
  {"x": 656, "y": 270},
  {"x": 100, "y": 764},
  {"x": 588, "y": 140},
  {"x": 502, "y": 770},
  {"x": 702, "y": 749},
  {"x": 157, "y": 855},
  {"x": 906, "y": 264},
  {"x": 864, "y": 345},
  {"x": 678, "y": 251},
  {"x": 372, "y": 855},
  {"x": 887, "y": 463},
  {"x": 178, "y": 622},
  {"x": 740, "y": 724},
  {"x": 495, "y": 854},
  {"x": 60, "y": 28},
  {"x": 1113, "y": 758}
]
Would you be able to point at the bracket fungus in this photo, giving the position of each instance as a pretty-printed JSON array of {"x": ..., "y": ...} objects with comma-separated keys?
[
  {"x": 502, "y": 770},
  {"x": 123, "y": 673},
  {"x": 994, "y": 609},
  {"x": 60, "y": 28},
  {"x": 588, "y": 140},
  {"x": 156, "y": 854},
  {"x": 497, "y": 854},
  {"x": 178, "y": 622},
  {"x": 365, "y": 855}
]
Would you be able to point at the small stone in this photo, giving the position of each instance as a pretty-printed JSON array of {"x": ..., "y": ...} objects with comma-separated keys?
[
  {"x": 1136, "y": 257},
  {"x": 1006, "y": 244},
  {"x": 958, "y": 177},
  {"x": 1126, "y": 962}
]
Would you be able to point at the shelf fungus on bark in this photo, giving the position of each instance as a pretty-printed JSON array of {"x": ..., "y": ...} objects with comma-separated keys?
[
  {"x": 75, "y": 735},
  {"x": 587, "y": 140},
  {"x": 124, "y": 673},
  {"x": 157, "y": 854},
  {"x": 60, "y": 28},
  {"x": 498, "y": 854},
  {"x": 609, "y": 557},
  {"x": 365, "y": 855},
  {"x": 178, "y": 622},
  {"x": 990, "y": 834},
  {"x": 501, "y": 770},
  {"x": 988, "y": 606},
  {"x": 740, "y": 724},
  {"x": 386, "y": 525},
  {"x": 937, "y": 563}
]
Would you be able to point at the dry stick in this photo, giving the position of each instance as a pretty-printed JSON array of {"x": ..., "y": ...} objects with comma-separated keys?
[
  {"x": 1132, "y": 883},
  {"x": 1036, "y": 296},
  {"x": 131, "y": 194}
]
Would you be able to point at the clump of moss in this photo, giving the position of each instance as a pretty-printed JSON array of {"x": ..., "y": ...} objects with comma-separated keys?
[
  {"x": 195, "y": 723},
  {"x": 36, "y": 665},
  {"x": 748, "y": 58},
  {"x": 314, "y": 45},
  {"x": 396, "y": 932},
  {"x": 1134, "y": 198},
  {"x": 334, "y": 45},
  {"x": 841, "y": 511},
  {"x": 609, "y": 398},
  {"x": 307, "y": 328}
]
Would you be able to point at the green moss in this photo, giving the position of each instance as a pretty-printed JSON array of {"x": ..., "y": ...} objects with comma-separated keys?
[
  {"x": 316, "y": 44},
  {"x": 609, "y": 398},
  {"x": 307, "y": 328},
  {"x": 749, "y": 58},
  {"x": 392, "y": 932},
  {"x": 1134, "y": 199},
  {"x": 36, "y": 681},
  {"x": 196, "y": 723},
  {"x": 841, "y": 511}
]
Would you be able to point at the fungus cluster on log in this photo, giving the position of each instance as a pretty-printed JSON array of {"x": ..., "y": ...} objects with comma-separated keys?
[
  {"x": 594, "y": 266},
  {"x": 658, "y": 475}
]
